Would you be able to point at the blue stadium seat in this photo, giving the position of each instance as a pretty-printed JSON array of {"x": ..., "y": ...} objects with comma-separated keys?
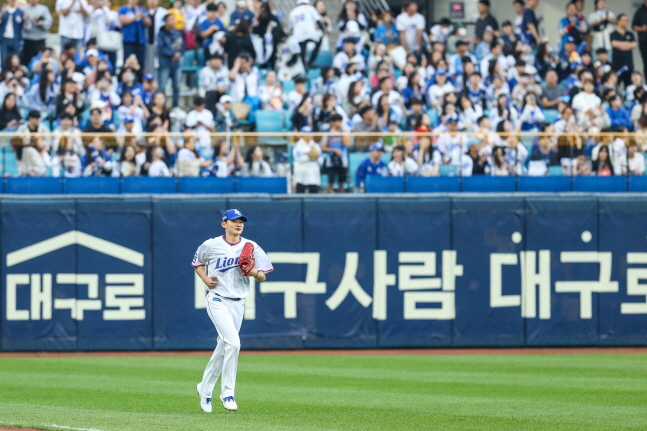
[
  {"x": 555, "y": 171},
  {"x": 544, "y": 184},
  {"x": 447, "y": 170},
  {"x": 206, "y": 185},
  {"x": 187, "y": 62},
  {"x": 384, "y": 184},
  {"x": 600, "y": 184},
  {"x": 482, "y": 183},
  {"x": 268, "y": 120},
  {"x": 314, "y": 74},
  {"x": 261, "y": 185},
  {"x": 287, "y": 86},
  {"x": 551, "y": 115},
  {"x": 432, "y": 184},
  {"x": 148, "y": 185},
  {"x": 287, "y": 115},
  {"x": 33, "y": 186},
  {"x": 91, "y": 185},
  {"x": 324, "y": 58}
]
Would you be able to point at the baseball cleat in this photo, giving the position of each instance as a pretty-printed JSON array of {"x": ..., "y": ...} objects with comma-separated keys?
[
  {"x": 229, "y": 403},
  {"x": 205, "y": 403}
]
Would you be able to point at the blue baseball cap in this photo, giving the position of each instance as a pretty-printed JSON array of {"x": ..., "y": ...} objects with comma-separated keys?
[
  {"x": 233, "y": 214},
  {"x": 149, "y": 77},
  {"x": 376, "y": 147},
  {"x": 569, "y": 39},
  {"x": 129, "y": 119},
  {"x": 441, "y": 72}
]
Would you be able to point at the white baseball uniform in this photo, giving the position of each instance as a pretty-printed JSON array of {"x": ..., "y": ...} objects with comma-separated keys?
[{"x": 225, "y": 306}]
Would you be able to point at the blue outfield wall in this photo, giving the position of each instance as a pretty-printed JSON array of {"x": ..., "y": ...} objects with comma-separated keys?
[{"x": 84, "y": 273}]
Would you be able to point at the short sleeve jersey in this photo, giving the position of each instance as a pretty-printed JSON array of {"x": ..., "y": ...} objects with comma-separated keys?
[{"x": 220, "y": 259}]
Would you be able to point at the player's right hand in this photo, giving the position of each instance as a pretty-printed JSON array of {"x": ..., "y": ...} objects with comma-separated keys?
[{"x": 211, "y": 282}]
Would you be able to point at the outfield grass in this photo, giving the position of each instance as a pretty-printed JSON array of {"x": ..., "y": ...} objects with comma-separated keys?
[{"x": 495, "y": 392}]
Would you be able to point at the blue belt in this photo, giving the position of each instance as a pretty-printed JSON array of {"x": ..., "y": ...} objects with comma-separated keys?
[{"x": 233, "y": 299}]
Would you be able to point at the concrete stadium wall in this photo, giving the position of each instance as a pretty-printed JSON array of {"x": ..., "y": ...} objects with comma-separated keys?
[{"x": 114, "y": 273}]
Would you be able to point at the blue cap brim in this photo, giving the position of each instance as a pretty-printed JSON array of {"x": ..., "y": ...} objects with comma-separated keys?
[{"x": 243, "y": 218}]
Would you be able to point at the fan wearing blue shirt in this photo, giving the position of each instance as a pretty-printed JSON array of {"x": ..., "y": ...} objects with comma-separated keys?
[
  {"x": 134, "y": 19},
  {"x": 241, "y": 13},
  {"x": 373, "y": 166},
  {"x": 618, "y": 114},
  {"x": 210, "y": 26},
  {"x": 530, "y": 24}
]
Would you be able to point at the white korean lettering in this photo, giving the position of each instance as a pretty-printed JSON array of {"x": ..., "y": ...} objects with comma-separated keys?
[
  {"x": 13, "y": 281},
  {"x": 535, "y": 283},
  {"x": 291, "y": 288},
  {"x": 634, "y": 286},
  {"x": 41, "y": 295},
  {"x": 125, "y": 292},
  {"x": 77, "y": 306},
  {"x": 381, "y": 280},
  {"x": 497, "y": 299},
  {"x": 586, "y": 288},
  {"x": 349, "y": 284}
]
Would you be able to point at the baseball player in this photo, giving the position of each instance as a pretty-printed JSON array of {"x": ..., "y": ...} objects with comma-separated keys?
[{"x": 224, "y": 264}]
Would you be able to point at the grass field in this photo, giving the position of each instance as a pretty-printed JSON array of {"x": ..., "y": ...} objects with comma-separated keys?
[{"x": 462, "y": 392}]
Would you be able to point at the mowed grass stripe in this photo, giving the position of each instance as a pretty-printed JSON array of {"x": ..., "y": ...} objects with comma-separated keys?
[{"x": 333, "y": 392}]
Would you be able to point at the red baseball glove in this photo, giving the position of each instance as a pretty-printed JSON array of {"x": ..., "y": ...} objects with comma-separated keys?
[{"x": 246, "y": 260}]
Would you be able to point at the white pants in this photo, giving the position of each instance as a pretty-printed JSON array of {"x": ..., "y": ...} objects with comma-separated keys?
[{"x": 227, "y": 316}]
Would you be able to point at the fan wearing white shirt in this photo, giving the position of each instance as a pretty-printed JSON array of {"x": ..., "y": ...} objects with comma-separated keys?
[
  {"x": 401, "y": 165},
  {"x": 348, "y": 55},
  {"x": 451, "y": 144},
  {"x": 306, "y": 25},
  {"x": 395, "y": 98},
  {"x": 411, "y": 25},
  {"x": 437, "y": 91},
  {"x": 158, "y": 167},
  {"x": 202, "y": 122},
  {"x": 71, "y": 25},
  {"x": 244, "y": 78},
  {"x": 296, "y": 96}
]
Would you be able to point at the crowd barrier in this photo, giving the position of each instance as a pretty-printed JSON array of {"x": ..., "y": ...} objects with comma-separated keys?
[{"x": 84, "y": 273}]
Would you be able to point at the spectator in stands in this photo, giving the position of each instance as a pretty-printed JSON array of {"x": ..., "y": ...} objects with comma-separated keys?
[
  {"x": 485, "y": 21},
  {"x": 224, "y": 118},
  {"x": 30, "y": 158},
  {"x": 601, "y": 21},
  {"x": 169, "y": 53},
  {"x": 66, "y": 132},
  {"x": 634, "y": 163},
  {"x": 156, "y": 13},
  {"x": 70, "y": 93},
  {"x": 371, "y": 166},
  {"x": 623, "y": 43},
  {"x": 401, "y": 165},
  {"x": 158, "y": 166},
  {"x": 288, "y": 62},
  {"x": 387, "y": 32},
  {"x": 134, "y": 19},
  {"x": 227, "y": 161},
  {"x": 32, "y": 126},
  {"x": 415, "y": 113},
  {"x": 214, "y": 77},
  {"x": 97, "y": 124},
  {"x": 329, "y": 107},
  {"x": 242, "y": 13},
  {"x": 411, "y": 26},
  {"x": 71, "y": 21},
  {"x": 127, "y": 165},
  {"x": 440, "y": 32},
  {"x": 238, "y": 43},
  {"x": 38, "y": 21},
  {"x": 438, "y": 90},
  {"x": 132, "y": 107},
  {"x": 618, "y": 114},
  {"x": 357, "y": 97},
  {"x": 202, "y": 122},
  {"x": 271, "y": 93},
  {"x": 254, "y": 165},
  {"x": 244, "y": 78},
  {"x": 10, "y": 117},
  {"x": 307, "y": 173},
  {"x": 97, "y": 162},
  {"x": 303, "y": 115},
  {"x": 543, "y": 156},
  {"x": 573, "y": 25},
  {"x": 177, "y": 12},
  {"x": 188, "y": 160},
  {"x": 428, "y": 158},
  {"x": 348, "y": 55},
  {"x": 296, "y": 96},
  {"x": 335, "y": 146},
  {"x": 369, "y": 123},
  {"x": 639, "y": 25},
  {"x": 531, "y": 114},
  {"x": 11, "y": 26},
  {"x": 586, "y": 99},
  {"x": 603, "y": 167},
  {"x": 552, "y": 92},
  {"x": 306, "y": 24},
  {"x": 499, "y": 167},
  {"x": 209, "y": 27},
  {"x": 530, "y": 23},
  {"x": 104, "y": 94}
]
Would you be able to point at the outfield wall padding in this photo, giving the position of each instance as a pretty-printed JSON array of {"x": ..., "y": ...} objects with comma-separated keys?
[{"x": 114, "y": 273}]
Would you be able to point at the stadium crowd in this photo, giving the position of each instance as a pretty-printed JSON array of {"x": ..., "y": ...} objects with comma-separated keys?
[{"x": 387, "y": 72}]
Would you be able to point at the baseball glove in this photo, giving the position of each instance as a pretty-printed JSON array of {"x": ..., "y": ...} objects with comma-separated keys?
[{"x": 246, "y": 260}]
